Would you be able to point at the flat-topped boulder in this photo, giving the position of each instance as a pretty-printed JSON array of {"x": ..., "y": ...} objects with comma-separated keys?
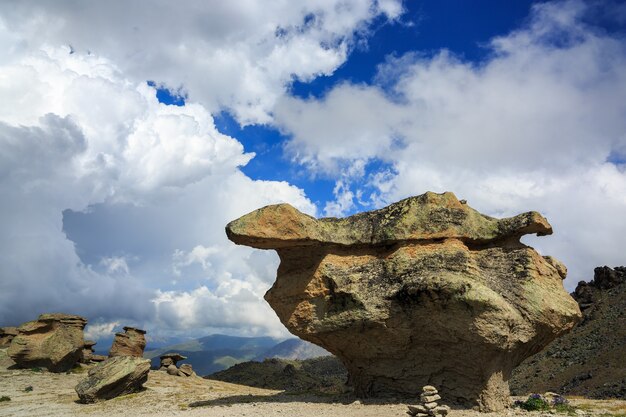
[
  {"x": 171, "y": 359},
  {"x": 130, "y": 343},
  {"x": 53, "y": 341},
  {"x": 426, "y": 291},
  {"x": 88, "y": 351}
]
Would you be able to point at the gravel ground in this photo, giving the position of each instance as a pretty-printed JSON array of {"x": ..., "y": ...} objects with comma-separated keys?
[{"x": 166, "y": 395}]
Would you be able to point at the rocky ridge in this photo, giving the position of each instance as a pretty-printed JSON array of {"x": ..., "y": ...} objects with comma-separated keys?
[
  {"x": 427, "y": 291},
  {"x": 590, "y": 360}
]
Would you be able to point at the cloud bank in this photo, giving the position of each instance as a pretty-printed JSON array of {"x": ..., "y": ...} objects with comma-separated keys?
[
  {"x": 540, "y": 124},
  {"x": 83, "y": 134}
]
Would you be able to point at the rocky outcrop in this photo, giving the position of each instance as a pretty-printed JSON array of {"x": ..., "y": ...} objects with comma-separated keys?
[
  {"x": 168, "y": 364},
  {"x": 588, "y": 361},
  {"x": 427, "y": 291},
  {"x": 53, "y": 341},
  {"x": 130, "y": 343},
  {"x": 114, "y": 377},
  {"x": 6, "y": 335}
]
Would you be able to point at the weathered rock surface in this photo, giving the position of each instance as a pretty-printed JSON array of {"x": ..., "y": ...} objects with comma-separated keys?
[
  {"x": 114, "y": 377},
  {"x": 53, "y": 341},
  {"x": 186, "y": 370},
  {"x": 6, "y": 335},
  {"x": 425, "y": 291},
  {"x": 130, "y": 343}
]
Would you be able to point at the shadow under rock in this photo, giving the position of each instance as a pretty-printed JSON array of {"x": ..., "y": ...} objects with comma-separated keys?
[{"x": 289, "y": 397}]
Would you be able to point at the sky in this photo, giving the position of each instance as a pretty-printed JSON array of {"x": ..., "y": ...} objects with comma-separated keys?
[{"x": 130, "y": 136}]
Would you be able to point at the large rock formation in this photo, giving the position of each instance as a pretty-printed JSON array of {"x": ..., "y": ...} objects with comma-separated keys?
[
  {"x": 130, "y": 343},
  {"x": 116, "y": 376},
  {"x": 53, "y": 341},
  {"x": 427, "y": 291}
]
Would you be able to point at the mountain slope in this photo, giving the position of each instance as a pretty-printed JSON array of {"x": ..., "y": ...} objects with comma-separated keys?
[
  {"x": 293, "y": 349},
  {"x": 591, "y": 359},
  {"x": 323, "y": 375},
  {"x": 215, "y": 352}
]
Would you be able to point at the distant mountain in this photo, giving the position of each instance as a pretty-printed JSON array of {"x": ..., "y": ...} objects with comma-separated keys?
[
  {"x": 293, "y": 349},
  {"x": 591, "y": 359},
  {"x": 215, "y": 352}
]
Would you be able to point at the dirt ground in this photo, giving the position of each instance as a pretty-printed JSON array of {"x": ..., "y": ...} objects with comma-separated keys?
[{"x": 166, "y": 395}]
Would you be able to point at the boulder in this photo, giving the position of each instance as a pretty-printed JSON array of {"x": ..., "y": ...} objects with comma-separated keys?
[
  {"x": 114, "y": 377},
  {"x": 53, "y": 341},
  {"x": 186, "y": 370},
  {"x": 170, "y": 359},
  {"x": 130, "y": 343},
  {"x": 6, "y": 335},
  {"x": 98, "y": 358},
  {"x": 424, "y": 291},
  {"x": 172, "y": 370}
]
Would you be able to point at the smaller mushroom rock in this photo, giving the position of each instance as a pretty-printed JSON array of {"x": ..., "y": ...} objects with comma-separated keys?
[
  {"x": 88, "y": 351},
  {"x": 6, "y": 335},
  {"x": 130, "y": 343},
  {"x": 53, "y": 341},
  {"x": 114, "y": 377},
  {"x": 171, "y": 359}
]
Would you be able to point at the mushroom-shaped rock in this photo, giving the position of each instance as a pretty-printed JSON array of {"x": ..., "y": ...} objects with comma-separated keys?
[
  {"x": 88, "y": 351},
  {"x": 424, "y": 291},
  {"x": 130, "y": 343},
  {"x": 171, "y": 359},
  {"x": 6, "y": 335},
  {"x": 53, "y": 341},
  {"x": 115, "y": 376}
]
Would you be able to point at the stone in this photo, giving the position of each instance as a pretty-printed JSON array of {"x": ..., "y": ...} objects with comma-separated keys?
[
  {"x": 53, "y": 341},
  {"x": 6, "y": 335},
  {"x": 430, "y": 406},
  {"x": 171, "y": 359},
  {"x": 424, "y": 291},
  {"x": 98, "y": 358},
  {"x": 115, "y": 376},
  {"x": 429, "y": 398},
  {"x": 130, "y": 343},
  {"x": 429, "y": 389},
  {"x": 441, "y": 410},
  {"x": 417, "y": 409},
  {"x": 173, "y": 370},
  {"x": 186, "y": 369}
]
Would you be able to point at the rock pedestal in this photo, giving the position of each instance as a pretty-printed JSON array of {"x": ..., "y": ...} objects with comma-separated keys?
[
  {"x": 425, "y": 291},
  {"x": 6, "y": 335},
  {"x": 428, "y": 406},
  {"x": 130, "y": 343},
  {"x": 114, "y": 377},
  {"x": 53, "y": 341},
  {"x": 170, "y": 359}
]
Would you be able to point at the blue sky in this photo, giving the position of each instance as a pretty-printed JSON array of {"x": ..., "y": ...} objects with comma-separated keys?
[{"x": 130, "y": 136}]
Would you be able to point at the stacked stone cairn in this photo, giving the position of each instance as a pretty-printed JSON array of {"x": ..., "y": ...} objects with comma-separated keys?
[
  {"x": 428, "y": 406},
  {"x": 168, "y": 364}
]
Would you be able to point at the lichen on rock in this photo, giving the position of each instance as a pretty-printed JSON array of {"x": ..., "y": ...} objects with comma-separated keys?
[{"x": 426, "y": 291}]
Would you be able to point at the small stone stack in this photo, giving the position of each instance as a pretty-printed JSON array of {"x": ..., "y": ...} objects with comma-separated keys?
[{"x": 428, "y": 406}]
